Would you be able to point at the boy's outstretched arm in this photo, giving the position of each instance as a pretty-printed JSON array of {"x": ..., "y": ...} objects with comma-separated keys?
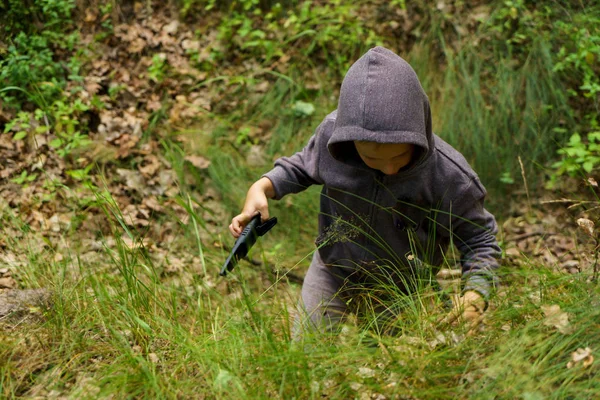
[
  {"x": 473, "y": 230},
  {"x": 256, "y": 202},
  {"x": 290, "y": 175},
  {"x": 296, "y": 173}
]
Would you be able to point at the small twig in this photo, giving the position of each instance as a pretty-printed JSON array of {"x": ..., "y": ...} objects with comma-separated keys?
[
  {"x": 291, "y": 277},
  {"x": 528, "y": 235},
  {"x": 525, "y": 182},
  {"x": 565, "y": 201},
  {"x": 581, "y": 203},
  {"x": 595, "y": 274},
  {"x": 385, "y": 351},
  {"x": 592, "y": 209}
]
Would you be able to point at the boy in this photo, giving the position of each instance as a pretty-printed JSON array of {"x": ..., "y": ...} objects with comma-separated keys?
[{"x": 394, "y": 196}]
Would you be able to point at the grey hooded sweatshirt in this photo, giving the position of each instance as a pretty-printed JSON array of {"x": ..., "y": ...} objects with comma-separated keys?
[{"x": 391, "y": 221}]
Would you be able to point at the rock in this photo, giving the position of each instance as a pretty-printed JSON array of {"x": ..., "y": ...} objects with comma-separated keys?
[{"x": 15, "y": 302}]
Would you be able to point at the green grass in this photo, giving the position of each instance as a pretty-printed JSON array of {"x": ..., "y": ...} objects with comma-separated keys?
[
  {"x": 123, "y": 326},
  {"x": 118, "y": 329},
  {"x": 493, "y": 112},
  {"x": 494, "y": 120}
]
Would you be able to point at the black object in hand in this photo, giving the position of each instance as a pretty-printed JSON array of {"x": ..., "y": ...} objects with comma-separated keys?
[{"x": 242, "y": 245}]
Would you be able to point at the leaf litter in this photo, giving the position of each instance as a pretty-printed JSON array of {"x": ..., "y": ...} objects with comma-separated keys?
[
  {"x": 38, "y": 185},
  {"x": 145, "y": 186},
  {"x": 146, "y": 183}
]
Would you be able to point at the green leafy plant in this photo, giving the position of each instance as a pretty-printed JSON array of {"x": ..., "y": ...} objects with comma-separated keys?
[
  {"x": 579, "y": 56},
  {"x": 61, "y": 118},
  {"x": 188, "y": 7},
  {"x": 107, "y": 23},
  {"x": 50, "y": 16},
  {"x": 66, "y": 126},
  {"x": 515, "y": 22},
  {"x": 29, "y": 73},
  {"x": 24, "y": 178},
  {"x": 81, "y": 174},
  {"x": 21, "y": 124},
  {"x": 507, "y": 178},
  {"x": 331, "y": 31},
  {"x": 303, "y": 109},
  {"x": 243, "y": 135},
  {"x": 29, "y": 68},
  {"x": 158, "y": 69},
  {"x": 578, "y": 155}
]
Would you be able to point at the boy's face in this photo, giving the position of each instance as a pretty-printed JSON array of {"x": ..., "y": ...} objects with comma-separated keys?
[{"x": 388, "y": 158}]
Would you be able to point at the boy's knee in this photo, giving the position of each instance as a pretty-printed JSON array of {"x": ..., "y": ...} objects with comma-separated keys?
[{"x": 318, "y": 317}]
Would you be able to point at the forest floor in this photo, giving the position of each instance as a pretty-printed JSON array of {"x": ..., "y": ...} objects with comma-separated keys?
[{"x": 128, "y": 195}]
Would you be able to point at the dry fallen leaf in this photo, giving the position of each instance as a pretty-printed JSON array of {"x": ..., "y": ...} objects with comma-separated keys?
[
  {"x": 152, "y": 203},
  {"x": 137, "y": 244},
  {"x": 171, "y": 27},
  {"x": 126, "y": 143},
  {"x": 153, "y": 103},
  {"x": 8, "y": 283},
  {"x": 151, "y": 165},
  {"x": 153, "y": 358},
  {"x": 262, "y": 87},
  {"x": 133, "y": 179},
  {"x": 198, "y": 161},
  {"x": 556, "y": 318},
  {"x": 586, "y": 225},
  {"x": 592, "y": 182},
  {"x": 92, "y": 85},
  {"x": 365, "y": 372},
  {"x": 54, "y": 223},
  {"x": 513, "y": 252},
  {"x": 581, "y": 355},
  {"x": 90, "y": 15}
]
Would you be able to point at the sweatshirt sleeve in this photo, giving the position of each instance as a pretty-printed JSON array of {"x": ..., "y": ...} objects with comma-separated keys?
[
  {"x": 296, "y": 173},
  {"x": 474, "y": 230}
]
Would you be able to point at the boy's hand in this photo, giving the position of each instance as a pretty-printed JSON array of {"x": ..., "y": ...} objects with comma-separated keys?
[
  {"x": 256, "y": 202},
  {"x": 469, "y": 308}
]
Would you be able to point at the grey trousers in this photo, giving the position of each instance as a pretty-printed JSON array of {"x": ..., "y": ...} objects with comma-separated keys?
[
  {"x": 322, "y": 307},
  {"x": 329, "y": 294}
]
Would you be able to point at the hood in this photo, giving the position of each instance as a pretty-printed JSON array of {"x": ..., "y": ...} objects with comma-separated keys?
[{"x": 381, "y": 100}]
